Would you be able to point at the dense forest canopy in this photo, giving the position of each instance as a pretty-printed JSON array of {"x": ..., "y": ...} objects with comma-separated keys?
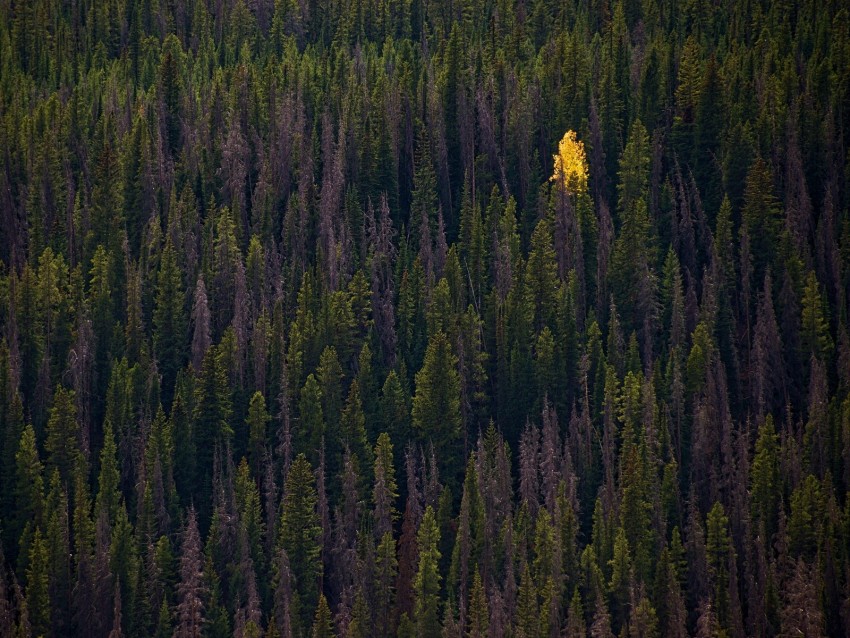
[{"x": 424, "y": 318}]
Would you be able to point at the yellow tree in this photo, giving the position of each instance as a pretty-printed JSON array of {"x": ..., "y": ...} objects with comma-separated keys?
[{"x": 570, "y": 164}]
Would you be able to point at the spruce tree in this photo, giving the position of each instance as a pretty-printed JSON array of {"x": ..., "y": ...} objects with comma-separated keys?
[
  {"x": 436, "y": 404},
  {"x": 169, "y": 321},
  {"x": 426, "y": 585},
  {"x": 299, "y": 535}
]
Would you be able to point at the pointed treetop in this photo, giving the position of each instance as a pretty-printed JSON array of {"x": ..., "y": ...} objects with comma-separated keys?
[{"x": 570, "y": 164}]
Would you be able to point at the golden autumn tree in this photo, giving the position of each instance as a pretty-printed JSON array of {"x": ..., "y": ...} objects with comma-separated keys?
[{"x": 571, "y": 164}]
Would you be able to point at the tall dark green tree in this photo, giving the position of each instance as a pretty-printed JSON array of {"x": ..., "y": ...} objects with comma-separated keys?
[
  {"x": 436, "y": 414},
  {"x": 427, "y": 583},
  {"x": 169, "y": 321},
  {"x": 299, "y": 535}
]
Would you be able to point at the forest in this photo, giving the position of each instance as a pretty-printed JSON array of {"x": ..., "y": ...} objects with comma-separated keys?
[{"x": 425, "y": 318}]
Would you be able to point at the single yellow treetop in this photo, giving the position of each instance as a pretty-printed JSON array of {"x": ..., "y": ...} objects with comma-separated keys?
[{"x": 570, "y": 164}]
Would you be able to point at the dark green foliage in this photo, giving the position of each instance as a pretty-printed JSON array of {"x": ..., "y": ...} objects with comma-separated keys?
[
  {"x": 426, "y": 585},
  {"x": 169, "y": 320},
  {"x": 299, "y": 535},
  {"x": 243, "y": 241},
  {"x": 436, "y": 405}
]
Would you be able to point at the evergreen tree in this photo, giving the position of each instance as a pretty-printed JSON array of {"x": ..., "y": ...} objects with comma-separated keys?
[
  {"x": 38, "y": 594},
  {"x": 322, "y": 625},
  {"x": 436, "y": 405},
  {"x": 169, "y": 320},
  {"x": 211, "y": 418},
  {"x": 761, "y": 217},
  {"x": 29, "y": 491},
  {"x": 299, "y": 535},
  {"x": 766, "y": 485},
  {"x": 386, "y": 572},
  {"x": 257, "y": 423},
  {"x": 427, "y": 583},
  {"x": 816, "y": 339},
  {"x": 718, "y": 546},
  {"x": 385, "y": 490},
  {"x": 479, "y": 614},
  {"x": 61, "y": 444},
  {"x": 311, "y": 430}
]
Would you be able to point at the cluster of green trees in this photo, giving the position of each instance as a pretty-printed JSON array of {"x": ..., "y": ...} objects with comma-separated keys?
[{"x": 298, "y": 336}]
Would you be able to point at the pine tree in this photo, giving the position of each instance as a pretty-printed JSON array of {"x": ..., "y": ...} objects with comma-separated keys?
[
  {"x": 201, "y": 339},
  {"x": 436, "y": 404},
  {"x": 761, "y": 217},
  {"x": 211, "y": 419},
  {"x": 634, "y": 170},
  {"x": 479, "y": 614},
  {"x": 718, "y": 546},
  {"x": 322, "y": 624},
  {"x": 353, "y": 429},
  {"x": 386, "y": 572},
  {"x": 299, "y": 535},
  {"x": 633, "y": 279},
  {"x": 575, "y": 627},
  {"x": 708, "y": 136},
  {"x": 621, "y": 577},
  {"x": 170, "y": 89},
  {"x": 644, "y": 621},
  {"x": 62, "y": 445},
  {"x": 427, "y": 583},
  {"x": 816, "y": 339},
  {"x": 108, "y": 495},
  {"x": 257, "y": 423},
  {"x": 29, "y": 491},
  {"x": 528, "y": 610},
  {"x": 394, "y": 407},
  {"x": 385, "y": 490},
  {"x": 806, "y": 523},
  {"x": 766, "y": 485},
  {"x": 311, "y": 428},
  {"x": 169, "y": 320},
  {"x": 38, "y": 594},
  {"x": 541, "y": 277},
  {"x": 361, "y": 624}
]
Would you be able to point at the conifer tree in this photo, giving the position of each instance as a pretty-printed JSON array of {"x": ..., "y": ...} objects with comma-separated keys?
[
  {"x": 761, "y": 216},
  {"x": 766, "y": 485},
  {"x": 169, "y": 320},
  {"x": 718, "y": 547},
  {"x": 385, "y": 490},
  {"x": 394, "y": 407},
  {"x": 211, "y": 418},
  {"x": 201, "y": 339},
  {"x": 311, "y": 429},
  {"x": 479, "y": 614},
  {"x": 61, "y": 444},
  {"x": 323, "y": 625},
  {"x": 299, "y": 535},
  {"x": 38, "y": 594},
  {"x": 427, "y": 583},
  {"x": 257, "y": 423},
  {"x": 386, "y": 573},
  {"x": 108, "y": 495},
  {"x": 353, "y": 429},
  {"x": 816, "y": 339},
  {"x": 436, "y": 405},
  {"x": 29, "y": 490},
  {"x": 541, "y": 277}
]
